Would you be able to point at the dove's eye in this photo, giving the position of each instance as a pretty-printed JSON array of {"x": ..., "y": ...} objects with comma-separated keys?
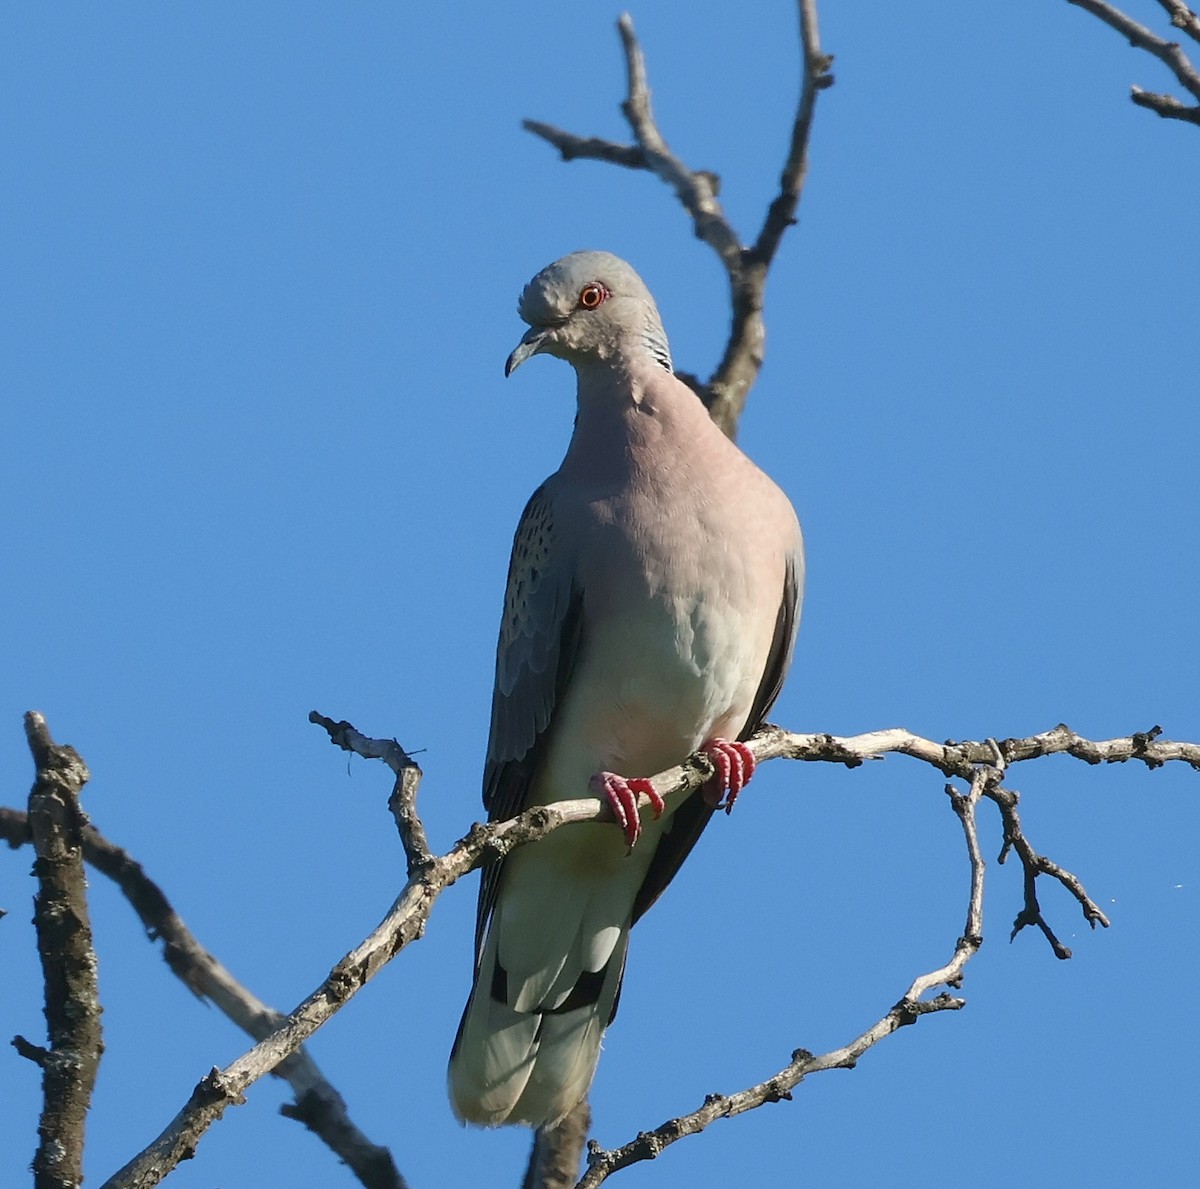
[{"x": 590, "y": 296}]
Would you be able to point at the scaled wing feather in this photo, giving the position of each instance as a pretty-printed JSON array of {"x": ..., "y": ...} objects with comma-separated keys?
[{"x": 539, "y": 640}]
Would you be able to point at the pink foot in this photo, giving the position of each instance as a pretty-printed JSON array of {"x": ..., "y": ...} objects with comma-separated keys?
[
  {"x": 622, "y": 795},
  {"x": 734, "y": 764}
]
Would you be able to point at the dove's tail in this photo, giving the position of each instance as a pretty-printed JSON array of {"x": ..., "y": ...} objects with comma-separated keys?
[{"x": 529, "y": 1041}]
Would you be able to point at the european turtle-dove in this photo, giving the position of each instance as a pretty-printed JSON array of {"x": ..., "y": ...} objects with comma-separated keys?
[{"x": 652, "y": 602}]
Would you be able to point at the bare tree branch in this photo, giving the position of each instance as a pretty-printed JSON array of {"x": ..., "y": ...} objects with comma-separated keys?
[
  {"x": 1167, "y": 52},
  {"x": 403, "y": 801},
  {"x": 64, "y": 934},
  {"x": 1166, "y": 106},
  {"x": 317, "y": 1104},
  {"x": 777, "y": 1088},
  {"x": 1033, "y": 866},
  {"x": 983, "y": 764},
  {"x": 1182, "y": 17},
  {"x": 223, "y": 1088},
  {"x": 782, "y": 212},
  {"x": 556, "y": 1152},
  {"x": 591, "y": 148},
  {"x": 961, "y": 759},
  {"x": 405, "y": 922},
  {"x": 746, "y": 267}
]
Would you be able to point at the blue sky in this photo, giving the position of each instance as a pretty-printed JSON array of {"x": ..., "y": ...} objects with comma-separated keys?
[{"x": 259, "y": 267}]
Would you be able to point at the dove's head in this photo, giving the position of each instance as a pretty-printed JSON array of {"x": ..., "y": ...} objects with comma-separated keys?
[{"x": 586, "y": 308}]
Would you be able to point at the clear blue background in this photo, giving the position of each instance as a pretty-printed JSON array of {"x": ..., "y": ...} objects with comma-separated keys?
[{"x": 259, "y": 269}]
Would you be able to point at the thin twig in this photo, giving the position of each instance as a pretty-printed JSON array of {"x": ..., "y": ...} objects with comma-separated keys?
[
  {"x": 782, "y": 212},
  {"x": 739, "y": 367},
  {"x": 1166, "y": 106},
  {"x": 746, "y": 267},
  {"x": 591, "y": 148},
  {"x": 1182, "y": 17},
  {"x": 1034, "y": 865},
  {"x": 64, "y": 933},
  {"x": 964, "y": 806},
  {"x": 403, "y": 801},
  {"x": 1167, "y": 52},
  {"x": 696, "y": 190}
]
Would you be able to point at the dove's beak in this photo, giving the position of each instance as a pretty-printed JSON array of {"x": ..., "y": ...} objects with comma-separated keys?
[{"x": 531, "y": 343}]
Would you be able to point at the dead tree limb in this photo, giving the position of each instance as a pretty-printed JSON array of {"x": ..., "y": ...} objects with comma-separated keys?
[
  {"x": 64, "y": 935},
  {"x": 1170, "y": 53},
  {"x": 911, "y": 1007},
  {"x": 405, "y": 922},
  {"x": 746, "y": 265}
]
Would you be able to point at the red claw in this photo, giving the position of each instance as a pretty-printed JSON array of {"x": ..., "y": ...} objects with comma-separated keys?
[
  {"x": 734, "y": 764},
  {"x": 622, "y": 795}
]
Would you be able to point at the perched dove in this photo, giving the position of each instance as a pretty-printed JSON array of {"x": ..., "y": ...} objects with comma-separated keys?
[{"x": 652, "y": 602}]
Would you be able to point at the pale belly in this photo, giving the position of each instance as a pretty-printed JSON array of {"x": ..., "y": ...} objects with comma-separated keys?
[
  {"x": 648, "y": 690},
  {"x": 656, "y": 678}
]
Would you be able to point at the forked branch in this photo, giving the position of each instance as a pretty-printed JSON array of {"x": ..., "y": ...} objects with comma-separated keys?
[
  {"x": 746, "y": 265},
  {"x": 317, "y": 1104},
  {"x": 911, "y": 1007},
  {"x": 1170, "y": 53}
]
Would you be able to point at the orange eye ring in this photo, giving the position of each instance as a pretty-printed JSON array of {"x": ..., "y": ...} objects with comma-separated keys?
[{"x": 590, "y": 296}]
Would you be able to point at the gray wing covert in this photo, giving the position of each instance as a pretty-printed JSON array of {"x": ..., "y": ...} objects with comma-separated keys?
[{"x": 539, "y": 640}]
